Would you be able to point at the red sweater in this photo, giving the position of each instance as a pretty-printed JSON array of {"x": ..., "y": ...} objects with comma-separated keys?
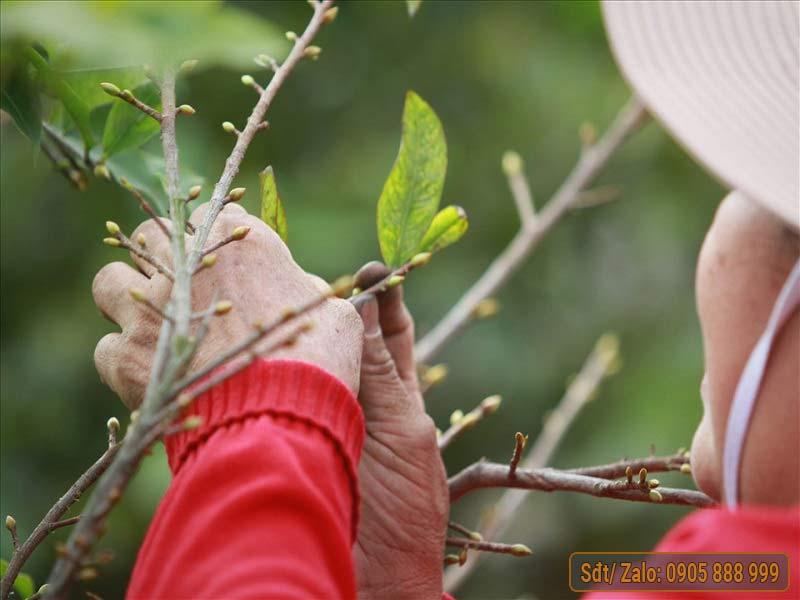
[{"x": 264, "y": 499}]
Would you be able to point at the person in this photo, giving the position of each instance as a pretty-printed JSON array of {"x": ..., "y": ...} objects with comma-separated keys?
[{"x": 315, "y": 472}]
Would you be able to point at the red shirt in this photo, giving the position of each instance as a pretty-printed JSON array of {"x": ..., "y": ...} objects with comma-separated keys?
[{"x": 264, "y": 499}]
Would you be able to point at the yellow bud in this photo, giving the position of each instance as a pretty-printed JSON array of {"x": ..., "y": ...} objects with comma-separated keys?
[
  {"x": 655, "y": 496},
  {"x": 686, "y": 468},
  {"x": 343, "y": 285},
  {"x": 240, "y": 232},
  {"x": 186, "y": 109},
  {"x": 330, "y": 15},
  {"x": 184, "y": 400},
  {"x": 488, "y": 307},
  {"x": 469, "y": 420},
  {"x": 438, "y": 433},
  {"x": 194, "y": 191},
  {"x": 421, "y": 259},
  {"x": 462, "y": 557},
  {"x": 192, "y": 422},
  {"x": 11, "y": 523},
  {"x": 435, "y": 374},
  {"x": 654, "y": 483},
  {"x": 451, "y": 559},
  {"x": 42, "y": 589},
  {"x": 475, "y": 536},
  {"x": 395, "y": 280},
  {"x": 629, "y": 473},
  {"x": 223, "y": 307},
  {"x": 237, "y": 194},
  {"x": 137, "y": 294},
  {"x": 491, "y": 404},
  {"x": 113, "y": 242},
  {"x": 521, "y": 550},
  {"x": 356, "y": 291},
  {"x": 209, "y": 260},
  {"x": 248, "y": 80},
  {"x": 288, "y": 314},
  {"x": 587, "y": 133},
  {"x": 125, "y": 183},
  {"x": 228, "y": 127},
  {"x": 456, "y": 416},
  {"x": 141, "y": 239},
  {"x": 642, "y": 475},
  {"x": 188, "y": 65},
  {"x": 101, "y": 170},
  {"x": 113, "y": 424},
  {"x": 126, "y": 94},
  {"x": 512, "y": 163},
  {"x": 87, "y": 574},
  {"x": 312, "y": 52},
  {"x": 112, "y": 227},
  {"x": 110, "y": 88},
  {"x": 607, "y": 346},
  {"x": 681, "y": 450},
  {"x": 134, "y": 416},
  {"x": 687, "y": 454},
  {"x": 291, "y": 36}
]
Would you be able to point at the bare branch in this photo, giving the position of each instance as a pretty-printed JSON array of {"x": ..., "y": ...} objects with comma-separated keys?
[
  {"x": 653, "y": 464},
  {"x": 520, "y": 189},
  {"x": 519, "y": 445},
  {"x": 487, "y": 407},
  {"x": 485, "y": 474},
  {"x": 139, "y": 250},
  {"x": 497, "y": 548},
  {"x": 590, "y": 163},
  {"x": 127, "y": 96}
]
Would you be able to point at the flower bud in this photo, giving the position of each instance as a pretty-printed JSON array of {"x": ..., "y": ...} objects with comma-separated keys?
[
  {"x": 686, "y": 468},
  {"x": 629, "y": 474},
  {"x": 654, "y": 483},
  {"x": 192, "y": 422},
  {"x": 228, "y": 127},
  {"x": 194, "y": 191},
  {"x": 184, "y": 400},
  {"x": 112, "y": 227},
  {"x": 188, "y": 65},
  {"x": 291, "y": 36},
  {"x": 100, "y": 170},
  {"x": 141, "y": 239},
  {"x": 42, "y": 589},
  {"x": 343, "y": 285},
  {"x": 451, "y": 559},
  {"x": 395, "y": 280},
  {"x": 240, "y": 232},
  {"x": 469, "y": 420},
  {"x": 588, "y": 133},
  {"x": 330, "y": 15},
  {"x": 236, "y": 194},
  {"x": 356, "y": 291},
  {"x": 186, "y": 109},
  {"x": 248, "y": 80},
  {"x": 421, "y": 259},
  {"x": 488, "y": 307},
  {"x": 134, "y": 416},
  {"x": 491, "y": 404},
  {"x": 209, "y": 260},
  {"x": 475, "y": 536},
  {"x": 11, "y": 523},
  {"x": 87, "y": 574},
  {"x": 312, "y": 52},
  {"x": 113, "y": 242},
  {"x": 223, "y": 307},
  {"x": 137, "y": 294},
  {"x": 512, "y": 163},
  {"x": 456, "y": 416},
  {"x": 113, "y": 425},
  {"x": 110, "y": 89},
  {"x": 642, "y": 475},
  {"x": 435, "y": 374},
  {"x": 125, "y": 183},
  {"x": 126, "y": 95},
  {"x": 264, "y": 60},
  {"x": 655, "y": 496},
  {"x": 521, "y": 550}
]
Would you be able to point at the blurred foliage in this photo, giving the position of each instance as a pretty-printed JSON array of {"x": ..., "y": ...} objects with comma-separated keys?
[{"x": 500, "y": 75}]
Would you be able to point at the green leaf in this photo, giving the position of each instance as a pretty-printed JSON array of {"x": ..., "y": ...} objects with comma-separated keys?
[
  {"x": 272, "y": 211},
  {"x": 24, "y": 585},
  {"x": 413, "y": 7},
  {"x": 20, "y": 99},
  {"x": 413, "y": 189},
  {"x": 127, "y": 127},
  {"x": 3, "y": 567},
  {"x": 448, "y": 226},
  {"x": 86, "y": 83}
]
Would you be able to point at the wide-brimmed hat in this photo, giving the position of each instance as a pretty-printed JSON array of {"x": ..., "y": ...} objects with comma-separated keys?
[{"x": 724, "y": 79}]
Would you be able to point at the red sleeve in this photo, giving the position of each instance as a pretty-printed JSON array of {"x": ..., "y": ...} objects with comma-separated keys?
[{"x": 263, "y": 503}]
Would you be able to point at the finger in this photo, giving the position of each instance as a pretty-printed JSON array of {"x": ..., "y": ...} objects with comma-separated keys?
[
  {"x": 199, "y": 214},
  {"x": 395, "y": 320},
  {"x": 323, "y": 287},
  {"x": 111, "y": 292},
  {"x": 156, "y": 243},
  {"x": 105, "y": 359},
  {"x": 381, "y": 385}
]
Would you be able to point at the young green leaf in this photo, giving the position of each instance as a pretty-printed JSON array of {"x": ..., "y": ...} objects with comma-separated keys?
[
  {"x": 448, "y": 226},
  {"x": 20, "y": 99},
  {"x": 24, "y": 585},
  {"x": 126, "y": 126},
  {"x": 413, "y": 7},
  {"x": 272, "y": 211},
  {"x": 413, "y": 189}
]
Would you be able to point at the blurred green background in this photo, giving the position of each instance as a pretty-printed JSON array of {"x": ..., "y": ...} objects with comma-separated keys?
[{"x": 501, "y": 75}]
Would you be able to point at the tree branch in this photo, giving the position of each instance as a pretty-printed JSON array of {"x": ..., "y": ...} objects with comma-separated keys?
[
  {"x": 487, "y": 407},
  {"x": 590, "y": 163}
]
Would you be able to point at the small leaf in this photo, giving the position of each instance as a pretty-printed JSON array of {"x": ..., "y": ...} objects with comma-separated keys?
[
  {"x": 413, "y": 189},
  {"x": 20, "y": 99},
  {"x": 448, "y": 226},
  {"x": 272, "y": 211},
  {"x": 128, "y": 127},
  {"x": 24, "y": 585},
  {"x": 86, "y": 82},
  {"x": 413, "y": 7}
]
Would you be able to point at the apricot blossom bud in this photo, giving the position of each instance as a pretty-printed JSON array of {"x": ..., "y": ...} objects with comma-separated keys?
[
  {"x": 112, "y": 227},
  {"x": 223, "y": 307},
  {"x": 237, "y": 194},
  {"x": 240, "y": 232}
]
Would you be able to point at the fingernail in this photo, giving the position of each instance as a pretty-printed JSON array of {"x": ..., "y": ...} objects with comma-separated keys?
[{"x": 367, "y": 307}]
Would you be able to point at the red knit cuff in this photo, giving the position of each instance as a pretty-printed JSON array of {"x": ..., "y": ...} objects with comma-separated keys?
[{"x": 282, "y": 388}]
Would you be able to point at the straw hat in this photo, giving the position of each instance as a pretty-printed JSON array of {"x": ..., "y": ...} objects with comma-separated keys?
[{"x": 724, "y": 78}]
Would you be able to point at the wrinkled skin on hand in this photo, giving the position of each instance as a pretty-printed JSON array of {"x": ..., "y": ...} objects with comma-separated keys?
[
  {"x": 404, "y": 496},
  {"x": 257, "y": 274}
]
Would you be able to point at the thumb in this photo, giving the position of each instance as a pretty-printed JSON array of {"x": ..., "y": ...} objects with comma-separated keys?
[{"x": 381, "y": 389}]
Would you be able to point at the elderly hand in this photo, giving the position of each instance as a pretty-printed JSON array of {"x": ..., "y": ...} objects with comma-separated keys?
[
  {"x": 404, "y": 497},
  {"x": 260, "y": 278}
]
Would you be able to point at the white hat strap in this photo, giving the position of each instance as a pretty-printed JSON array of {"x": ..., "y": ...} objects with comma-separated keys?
[{"x": 747, "y": 390}]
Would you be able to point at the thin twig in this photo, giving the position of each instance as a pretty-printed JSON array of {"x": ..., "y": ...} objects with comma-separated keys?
[
  {"x": 500, "y": 270},
  {"x": 487, "y": 407},
  {"x": 485, "y": 474},
  {"x": 519, "y": 445},
  {"x": 146, "y": 256},
  {"x": 146, "y": 207},
  {"x": 128, "y": 97},
  {"x": 497, "y": 548},
  {"x": 653, "y": 464},
  {"x": 595, "y": 369},
  {"x": 64, "y": 523}
]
